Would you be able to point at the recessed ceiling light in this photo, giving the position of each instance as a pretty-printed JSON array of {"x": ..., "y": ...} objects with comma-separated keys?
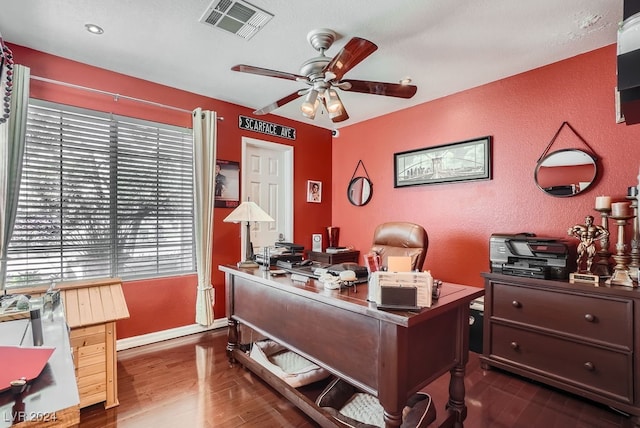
[
  {"x": 405, "y": 80},
  {"x": 93, "y": 28}
]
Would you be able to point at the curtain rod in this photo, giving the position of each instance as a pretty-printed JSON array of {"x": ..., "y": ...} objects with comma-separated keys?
[{"x": 115, "y": 96}]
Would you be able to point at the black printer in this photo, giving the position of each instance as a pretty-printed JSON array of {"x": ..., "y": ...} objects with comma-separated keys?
[{"x": 525, "y": 254}]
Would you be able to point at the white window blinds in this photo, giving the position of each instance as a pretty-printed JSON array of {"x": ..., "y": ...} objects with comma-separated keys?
[{"x": 101, "y": 195}]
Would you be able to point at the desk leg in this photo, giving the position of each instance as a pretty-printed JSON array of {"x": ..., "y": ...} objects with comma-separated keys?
[
  {"x": 456, "y": 402},
  {"x": 232, "y": 339},
  {"x": 392, "y": 420}
]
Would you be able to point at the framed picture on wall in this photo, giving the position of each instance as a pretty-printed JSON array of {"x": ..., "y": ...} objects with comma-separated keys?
[
  {"x": 462, "y": 161},
  {"x": 227, "y": 187},
  {"x": 314, "y": 191}
]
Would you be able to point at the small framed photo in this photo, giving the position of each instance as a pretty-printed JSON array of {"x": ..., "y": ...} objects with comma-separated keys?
[
  {"x": 314, "y": 191},
  {"x": 227, "y": 186}
]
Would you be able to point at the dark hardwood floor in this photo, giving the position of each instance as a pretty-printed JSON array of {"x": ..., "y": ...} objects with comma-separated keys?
[{"x": 188, "y": 383}]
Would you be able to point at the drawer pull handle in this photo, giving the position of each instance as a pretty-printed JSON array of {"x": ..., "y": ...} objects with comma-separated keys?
[
  {"x": 516, "y": 304},
  {"x": 514, "y": 345},
  {"x": 589, "y": 317},
  {"x": 589, "y": 366}
]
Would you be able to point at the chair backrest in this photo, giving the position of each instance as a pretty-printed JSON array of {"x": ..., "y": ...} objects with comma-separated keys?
[{"x": 401, "y": 239}]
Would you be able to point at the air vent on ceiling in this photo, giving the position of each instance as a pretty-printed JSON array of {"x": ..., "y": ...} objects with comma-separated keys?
[{"x": 236, "y": 16}]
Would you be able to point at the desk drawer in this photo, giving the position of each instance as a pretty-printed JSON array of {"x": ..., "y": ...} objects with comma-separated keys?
[
  {"x": 603, "y": 371},
  {"x": 593, "y": 318}
]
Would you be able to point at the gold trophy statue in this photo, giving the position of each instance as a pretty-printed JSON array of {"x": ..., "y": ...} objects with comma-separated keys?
[{"x": 588, "y": 234}]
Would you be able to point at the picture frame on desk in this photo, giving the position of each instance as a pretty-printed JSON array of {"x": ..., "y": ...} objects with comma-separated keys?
[{"x": 468, "y": 160}]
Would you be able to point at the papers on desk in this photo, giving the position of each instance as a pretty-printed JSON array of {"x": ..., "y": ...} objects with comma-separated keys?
[
  {"x": 422, "y": 282},
  {"x": 22, "y": 362}
]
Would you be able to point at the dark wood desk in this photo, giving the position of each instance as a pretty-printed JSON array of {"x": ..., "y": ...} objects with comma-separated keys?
[{"x": 388, "y": 354}]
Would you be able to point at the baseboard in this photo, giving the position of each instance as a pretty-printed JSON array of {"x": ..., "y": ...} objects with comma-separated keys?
[{"x": 159, "y": 336}]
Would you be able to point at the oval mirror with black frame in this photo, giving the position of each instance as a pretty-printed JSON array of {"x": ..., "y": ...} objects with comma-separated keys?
[
  {"x": 566, "y": 172},
  {"x": 360, "y": 191}
]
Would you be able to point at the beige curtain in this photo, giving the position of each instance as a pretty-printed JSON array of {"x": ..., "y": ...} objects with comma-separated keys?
[
  {"x": 12, "y": 142},
  {"x": 204, "y": 159}
]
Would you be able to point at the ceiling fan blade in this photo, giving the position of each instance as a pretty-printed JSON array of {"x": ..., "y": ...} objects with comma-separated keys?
[
  {"x": 243, "y": 68},
  {"x": 336, "y": 117},
  {"x": 341, "y": 117},
  {"x": 379, "y": 88},
  {"x": 351, "y": 54},
  {"x": 279, "y": 103}
]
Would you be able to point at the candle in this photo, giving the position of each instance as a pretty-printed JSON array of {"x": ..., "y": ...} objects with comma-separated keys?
[
  {"x": 620, "y": 209},
  {"x": 603, "y": 202}
]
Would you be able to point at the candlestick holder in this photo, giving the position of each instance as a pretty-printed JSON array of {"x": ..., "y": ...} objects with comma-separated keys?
[
  {"x": 621, "y": 274},
  {"x": 603, "y": 265},
  {"x": 635, "y": 239}
]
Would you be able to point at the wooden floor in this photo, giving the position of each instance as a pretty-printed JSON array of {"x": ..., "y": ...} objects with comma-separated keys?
[{"x": 188, "y": 383}]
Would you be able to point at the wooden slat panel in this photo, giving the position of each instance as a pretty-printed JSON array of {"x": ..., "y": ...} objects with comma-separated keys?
[
  {"x": 90, "y": 369},
  {"x": 90, "y": 350},
  {"x": 92, "y": 389},
  {"x": 84, "y": 307},
  {"x": 87, "y": 283},
  {"x": 87, "y": 339},
  {"x": 90, "y": 399},
  {"x": 97, "y": 305},
  {"x": 106, "y": 295},
  {"x": 87, "y": 331},
  {"x": 94, "y": 382},
  {"x": 119, "y": 303},
  {"x": 71, "y": 307},
  {"x": 90, "y": 359},
  {"x": 111, "y": 367}
]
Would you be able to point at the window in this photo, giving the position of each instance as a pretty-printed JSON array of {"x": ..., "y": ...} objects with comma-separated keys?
[{"x": 101, "y": 195}]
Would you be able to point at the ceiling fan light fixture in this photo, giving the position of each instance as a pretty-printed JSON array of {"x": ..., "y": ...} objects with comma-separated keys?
[
  {"x": 310, "y": 104},
  {"x": 311, "y": 114},
  {"x": 334, "y": 104}
]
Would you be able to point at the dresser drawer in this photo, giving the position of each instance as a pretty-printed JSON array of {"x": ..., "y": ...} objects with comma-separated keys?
[
  {"x": 599, "y": 318},
  {"x": 605, "y": 372}
]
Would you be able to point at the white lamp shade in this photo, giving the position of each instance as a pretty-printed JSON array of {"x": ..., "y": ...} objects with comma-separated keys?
[{"x": 247, "y": 211}]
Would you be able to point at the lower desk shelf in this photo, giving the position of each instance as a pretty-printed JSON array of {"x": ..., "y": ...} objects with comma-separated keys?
[{"x": 303, "y": 398}]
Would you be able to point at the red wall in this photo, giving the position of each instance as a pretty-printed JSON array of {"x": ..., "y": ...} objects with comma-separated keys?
[
  {"x": 165, "y": 303},
  {"x": 522, "y": 113}
]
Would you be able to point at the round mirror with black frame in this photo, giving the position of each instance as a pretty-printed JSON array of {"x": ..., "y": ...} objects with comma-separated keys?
[
  {"x": 566, "y": 172},
  {"x": 359, "y": 191}
]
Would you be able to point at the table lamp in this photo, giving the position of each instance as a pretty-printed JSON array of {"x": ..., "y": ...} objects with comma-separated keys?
[{"x": 247, "y": 211}]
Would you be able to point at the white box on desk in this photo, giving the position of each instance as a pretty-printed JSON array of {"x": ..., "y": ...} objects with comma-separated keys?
[{"x": 422, "y": 281}]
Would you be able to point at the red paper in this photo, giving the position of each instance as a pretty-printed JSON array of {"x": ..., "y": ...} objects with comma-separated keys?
[{"x": 17, "y": 362}]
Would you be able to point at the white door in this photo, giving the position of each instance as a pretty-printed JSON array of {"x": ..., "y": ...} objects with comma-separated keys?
[{"x": 267, "y": 180}]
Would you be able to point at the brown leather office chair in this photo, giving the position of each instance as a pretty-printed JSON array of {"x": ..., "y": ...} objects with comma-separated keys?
[{"x": 401, "y": 239}]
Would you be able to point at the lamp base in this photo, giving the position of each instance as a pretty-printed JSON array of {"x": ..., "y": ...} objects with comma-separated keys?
[{"x": 247, "y": 264}]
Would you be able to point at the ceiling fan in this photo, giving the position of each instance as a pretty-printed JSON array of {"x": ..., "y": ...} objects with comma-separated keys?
[{"x": 324, "y": 75}]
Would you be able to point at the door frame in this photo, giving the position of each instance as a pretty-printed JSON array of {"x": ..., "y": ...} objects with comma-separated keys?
[{"x": 287, "y": 176}]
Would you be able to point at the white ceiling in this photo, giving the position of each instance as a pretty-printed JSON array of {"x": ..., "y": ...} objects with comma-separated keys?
[{"x": 445, "y": 46}]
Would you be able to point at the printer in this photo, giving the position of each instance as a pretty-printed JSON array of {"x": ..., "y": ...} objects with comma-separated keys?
[{"x": 525, "y": 254}]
